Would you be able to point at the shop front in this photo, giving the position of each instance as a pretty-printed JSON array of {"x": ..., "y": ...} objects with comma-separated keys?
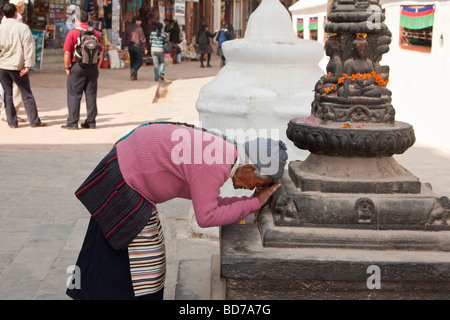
[
  {"x": 50, "y": 20},
  {"x": 109, "y": 17}
]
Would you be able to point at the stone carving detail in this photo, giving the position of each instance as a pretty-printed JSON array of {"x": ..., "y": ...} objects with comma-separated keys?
[
  {"x": 346, "y": 143},
  {"x": 353, "y": 90},
  {"x": 355, "y": 78},
  {"x": 364, "y": 207},
  {"x": 285, "y": 210},
  {"x": 355, "y": 113},
  {"x": 440, "y": 213}
]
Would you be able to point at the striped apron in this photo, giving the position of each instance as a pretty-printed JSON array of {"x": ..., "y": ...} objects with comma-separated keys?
[{"x": 148, "y": 259}]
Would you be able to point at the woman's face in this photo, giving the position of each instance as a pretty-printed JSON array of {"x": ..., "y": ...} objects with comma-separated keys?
[
  {"x": 20, "y": 7},
  {"x": 245, "y": 178}
]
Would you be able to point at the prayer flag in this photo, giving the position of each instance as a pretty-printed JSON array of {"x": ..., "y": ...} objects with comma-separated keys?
[
  {"x": 313, "y": 23},
  {"x": 299, "y": 24},
  {"x": 417, "y": 18}
]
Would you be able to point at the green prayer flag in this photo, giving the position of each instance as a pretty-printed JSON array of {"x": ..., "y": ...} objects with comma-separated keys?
[{"x": 415, "y": 23}]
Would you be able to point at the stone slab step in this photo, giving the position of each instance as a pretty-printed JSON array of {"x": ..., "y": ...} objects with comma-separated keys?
[
  {"x": 199, "y": 279},
  {"x": 194, "y": 280}
]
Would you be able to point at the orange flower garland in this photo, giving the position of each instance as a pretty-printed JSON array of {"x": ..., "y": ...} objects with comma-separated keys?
[
  {"x": 348, "y": 125},
  {"x": 329, "y": 89},
  {"x": 365, "y": 76}
]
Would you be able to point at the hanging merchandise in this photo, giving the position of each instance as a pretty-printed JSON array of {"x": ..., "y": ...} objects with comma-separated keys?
[
  {"x": 71, "y": 12},
  {"x": 170, "y": 12},
  {"x": 115, "y": 22},
  {"x": 161, "y": 11},
  {"x": 39, "y": 19}
]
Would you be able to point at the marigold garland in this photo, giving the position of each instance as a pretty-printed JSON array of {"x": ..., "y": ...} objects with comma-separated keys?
[
  {"x": 348, "y": 125},
  {"x": 329, "y": 89},
  {"x": 365, "y": 76},
  {"x": 361, "y": 35}
]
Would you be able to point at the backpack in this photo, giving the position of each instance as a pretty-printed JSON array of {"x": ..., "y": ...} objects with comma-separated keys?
[
  {"x": 203, "y": 38},
  {"x": 87, "y": 48},
  {"x": 221, "y": 38}
]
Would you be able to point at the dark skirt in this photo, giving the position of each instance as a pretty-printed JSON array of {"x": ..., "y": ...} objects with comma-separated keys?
[
  {"x": 204, "y": 48},
  {"x": 104, "y": 271}
]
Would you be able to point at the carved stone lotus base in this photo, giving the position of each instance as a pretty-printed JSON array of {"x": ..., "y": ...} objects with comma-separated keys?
[{"x": 362, "y": 139}]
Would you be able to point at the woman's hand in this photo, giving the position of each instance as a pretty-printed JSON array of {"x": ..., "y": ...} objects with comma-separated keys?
[{"x": 264, "y": 193}]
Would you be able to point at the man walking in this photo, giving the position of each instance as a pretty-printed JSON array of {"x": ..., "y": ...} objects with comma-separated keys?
[
  {"x": 82, "y": 77},
  {"x": 134, "y": 39},
  {"x": 17, "y": 56}
]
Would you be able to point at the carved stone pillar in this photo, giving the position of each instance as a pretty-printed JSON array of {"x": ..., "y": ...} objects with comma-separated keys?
[{"x": 350, "y": 180}]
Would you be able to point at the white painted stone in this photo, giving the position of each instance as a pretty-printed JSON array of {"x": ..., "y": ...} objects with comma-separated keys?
[{"x": 268, "y": 80}]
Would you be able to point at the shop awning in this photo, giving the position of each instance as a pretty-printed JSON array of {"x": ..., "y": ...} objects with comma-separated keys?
[
  {"x": 417, "y": 18},
  {"x": 299, "y": 24},
  {"x": 313, "y": 23}
]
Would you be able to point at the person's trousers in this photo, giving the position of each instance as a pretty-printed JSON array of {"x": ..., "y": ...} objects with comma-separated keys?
[
  {"x": 174, "y": 53},
  {"x": 158, "y": 64},
  {"x": 135, "y": 52},
  {"x": 17, "y": 99},
  {"x": 7, "y": 78},
  {"x": 82, "y": 79}
]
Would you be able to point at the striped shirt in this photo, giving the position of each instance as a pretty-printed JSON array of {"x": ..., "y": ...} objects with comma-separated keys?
[{"x": 157, "y": 43}]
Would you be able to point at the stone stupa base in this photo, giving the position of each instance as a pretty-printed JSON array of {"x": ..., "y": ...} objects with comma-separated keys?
[
  {"x": 253, "y": 271},
  {"x": 346, "y": 238},
  {"x": 355, "y": 193}
]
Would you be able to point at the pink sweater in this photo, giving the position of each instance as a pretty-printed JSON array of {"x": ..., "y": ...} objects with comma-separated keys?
[{"x": 165, "y": 161}]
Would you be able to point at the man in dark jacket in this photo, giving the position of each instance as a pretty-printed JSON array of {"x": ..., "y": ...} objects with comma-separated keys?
[{"x": 134, "y": 39}]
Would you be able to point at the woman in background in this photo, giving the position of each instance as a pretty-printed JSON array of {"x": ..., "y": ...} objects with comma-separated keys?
[{"x": 204, "y": 45}]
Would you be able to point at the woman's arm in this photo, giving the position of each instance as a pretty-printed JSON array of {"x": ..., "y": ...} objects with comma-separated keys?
[{"x": 210, "y": 209}]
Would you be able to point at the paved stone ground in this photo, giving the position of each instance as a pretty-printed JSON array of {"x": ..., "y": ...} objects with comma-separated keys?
[{"x": 42, "y": 225}]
